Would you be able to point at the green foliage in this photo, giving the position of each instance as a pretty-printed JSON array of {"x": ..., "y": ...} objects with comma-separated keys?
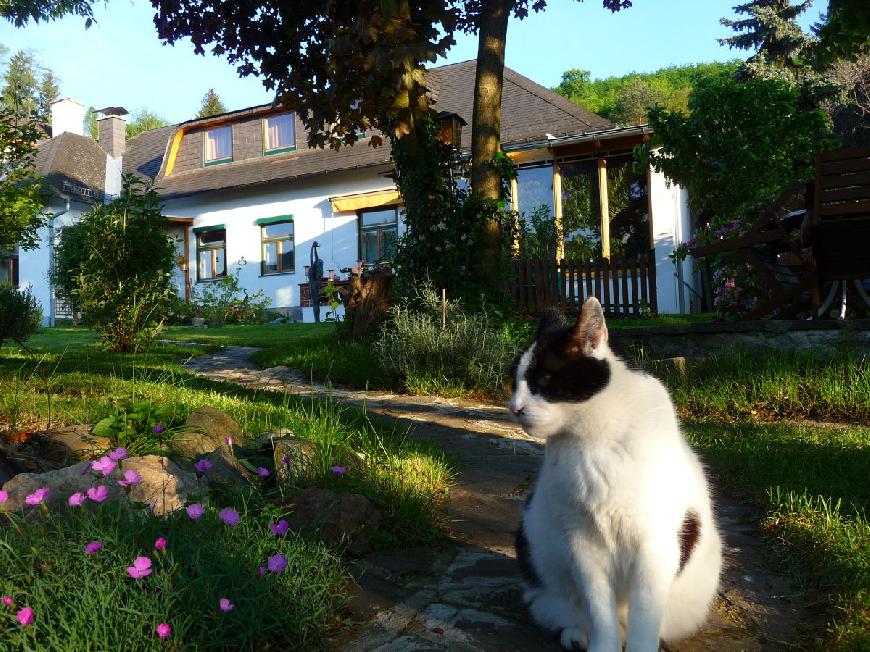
[
  {"x": 743, "y": 143},
  {"x": 226, "y": 301},
  {"x": 28, "y": 87},
  {"x": 22, "y": 195},
  {"x": 123, "y": 262},
  {"x": 211, "y": 105},
  {"x": 144, "y": 120},
  {"x": 142, "y": 427},
  {"x": 626, "y": 99},
  {"x": 20, "y": 315}
]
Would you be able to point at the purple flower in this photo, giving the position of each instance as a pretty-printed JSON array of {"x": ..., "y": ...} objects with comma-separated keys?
[
  {"x": 226, "y": 606},
  {"x": 8, "y": 601},
  {"x": 203, "y": 465},
  {"x": 279, "y": 529},
  {"x": 160, "y": 544},
  {"x": 118, "y": 454},
  {"x": 37, "y": 496},
  {"x": 228, "y": 516},
  {"x": 277, "y": 564},
  {"x": 141, "y": 568},
  {"x": 158, "y": 429},
  {"x": 87, "y": 467},
  {"x": 164, "y": 630},
  {"x": 262, "y": 570},
  {"x": 92, "y": 547},
  {"x": 99, "y": 493},
  {"x": 104, "y": 465},
  {"x": 130, "y": 477},
  {"x": 338, "y": 470},
  {"x": 195, "y": 510},
  {"x": 26, "y": 617},
  {"x": 4, "y": 496},
  {"x": 76, "y": 500},
  {"x": 262, "y": 471},
  {"x": 285, "y": 460}
]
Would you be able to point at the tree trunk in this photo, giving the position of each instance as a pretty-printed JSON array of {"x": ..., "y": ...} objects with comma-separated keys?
[{"x": 486, "y": 120}]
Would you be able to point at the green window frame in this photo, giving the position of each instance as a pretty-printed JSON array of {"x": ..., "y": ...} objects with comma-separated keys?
[
  {"x": 211, "y": 154},
  {"x": 378, "y": 233},
  {"x": 277, "y": 140},
  {"x": 211, "y": 253},
  {"x": 277, "y": 246}
]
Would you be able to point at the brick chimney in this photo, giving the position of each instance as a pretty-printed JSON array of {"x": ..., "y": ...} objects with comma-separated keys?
[
  {"x": 112, "y": 131},
  {"x": 67, "y": 115}
]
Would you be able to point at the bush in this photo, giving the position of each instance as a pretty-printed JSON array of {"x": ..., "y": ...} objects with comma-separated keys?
[
  {"x": 471, "y": 353},
  {"x": 20, "y": 315},
  {"x": 226, "y": 301},
  {"x": 122, "y": 261}
]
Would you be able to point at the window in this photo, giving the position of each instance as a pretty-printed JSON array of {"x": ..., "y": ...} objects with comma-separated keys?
[
  {"x": 280, "y": 133},
  {"x": 279, "y": 254},
  {"x": 9, "y": 268},
  {"x": 218, "y": 146},
  {"x": 378, "y": 232},
  {"x": 211, "y": 253}
]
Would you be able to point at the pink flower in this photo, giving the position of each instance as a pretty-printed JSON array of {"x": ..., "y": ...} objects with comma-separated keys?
[
  {"x": 164, "y": 630},
  {"x": 76, "y": 500},
  {"x": 99, "y": 493},
  {"x": 195, "y": 511},
  {"x": 92, "y": 547},
  {"x": 202, "y": 466},
  {"x": 118, "y": 454},
  {"x": 228, "y": 516},
  {"x": 37, "y": 496},
  {"x": 262, "y": 471},
  {"x": 141, "y": 568},
  {"x": 4, "y": 496},
  {"x": 26, "y": 617},
  {"x": 277, "y": 564},
  {"x": 130, "y": 477},
  {"x": 229, "y": 441},
  {"x": 160, "y": 544},
  {"x": 8, "y": 601},
  {"x": 226, "y": 606},
  {"x": 104, "y": 465},
  {"x": 279, "y": 529},
  {"x": 338, "y": 470}
]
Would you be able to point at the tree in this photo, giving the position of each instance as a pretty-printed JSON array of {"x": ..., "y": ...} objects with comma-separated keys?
[
  {"x": 144, "y": 120},
  {"x": 634, "y": 101},
  {"x": 28, "y": 87},
  {"x": 123, "y": 262},
  {"x": 22, "y": 196},
  {"x": 211, "y": 105},
  {"x": 48, "y": 92},
  {"x": 91, "y": 128},
  {"x": 845, "y": 33},
  {"x": 743, "y": 143}
]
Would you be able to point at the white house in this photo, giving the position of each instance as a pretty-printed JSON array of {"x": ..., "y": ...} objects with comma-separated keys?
[{"x": 244, "y": 192}]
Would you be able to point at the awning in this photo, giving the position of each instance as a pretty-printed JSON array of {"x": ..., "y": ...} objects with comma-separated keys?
[
  {"x": 361, "y": 200},
  {"x": 204, "y": 229},
  {"x": 273, "y": 220}
]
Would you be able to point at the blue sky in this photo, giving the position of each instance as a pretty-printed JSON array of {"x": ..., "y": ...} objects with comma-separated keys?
[{"x": 120, "y": 61}]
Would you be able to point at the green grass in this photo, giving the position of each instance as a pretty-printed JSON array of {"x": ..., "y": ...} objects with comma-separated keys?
[{"x": 89, "y": 602}]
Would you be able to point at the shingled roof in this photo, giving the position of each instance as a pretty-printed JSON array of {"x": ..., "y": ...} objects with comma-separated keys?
[
  {"x": 529, "y": 112},
  {"x": 74, "y": 165}
]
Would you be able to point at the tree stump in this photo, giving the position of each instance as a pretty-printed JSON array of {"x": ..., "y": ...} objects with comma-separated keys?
[{"x": 367, "y": 302}]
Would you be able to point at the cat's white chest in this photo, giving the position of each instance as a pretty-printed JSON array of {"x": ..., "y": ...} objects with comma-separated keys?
[{"x": 584, "y": 478}]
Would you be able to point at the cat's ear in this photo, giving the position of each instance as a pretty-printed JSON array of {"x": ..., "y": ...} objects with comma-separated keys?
[
  {"x": 551, "y": 319},
  {"x": 590, "y": 331}
]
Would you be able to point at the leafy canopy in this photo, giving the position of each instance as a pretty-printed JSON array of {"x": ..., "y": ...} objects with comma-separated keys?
[{"x": 211, "y": 105}]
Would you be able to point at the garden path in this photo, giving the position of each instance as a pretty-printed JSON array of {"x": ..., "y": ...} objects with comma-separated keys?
[{"x": 466, "y": 596}]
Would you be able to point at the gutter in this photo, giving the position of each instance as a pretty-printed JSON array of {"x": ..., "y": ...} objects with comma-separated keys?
[
  {"x": 588, "y": 136},
  {"x": 51, "y": 301}
]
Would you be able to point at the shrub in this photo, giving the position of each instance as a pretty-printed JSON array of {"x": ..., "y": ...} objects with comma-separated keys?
[
  {"x": 226, "y": 301},
  {"x": 20, "y": 315},
  {"x": 470, "y": 353}
]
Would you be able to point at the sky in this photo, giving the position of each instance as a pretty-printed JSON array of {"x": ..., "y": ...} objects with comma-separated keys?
[{"x": 121, "y": 62}]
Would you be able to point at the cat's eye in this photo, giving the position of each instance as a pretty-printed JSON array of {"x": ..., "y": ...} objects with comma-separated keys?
[{"x": 544, "y": 379}]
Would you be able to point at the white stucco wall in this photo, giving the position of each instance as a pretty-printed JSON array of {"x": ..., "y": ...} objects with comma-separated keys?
[
  {"x": 671, "y": 227},
  {"x": 308, "y": 202}
]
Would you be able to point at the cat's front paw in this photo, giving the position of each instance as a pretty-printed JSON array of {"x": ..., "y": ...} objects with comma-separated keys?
[{"x": 574, "y": 638}]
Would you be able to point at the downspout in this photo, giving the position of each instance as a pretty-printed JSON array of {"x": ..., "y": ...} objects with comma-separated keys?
[{"x": 51, "y": 302}]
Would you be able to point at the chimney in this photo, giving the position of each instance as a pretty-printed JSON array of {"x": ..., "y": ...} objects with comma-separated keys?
[
  {"x": 112, "y": 130},
  {"x": 67, "y": 115}
]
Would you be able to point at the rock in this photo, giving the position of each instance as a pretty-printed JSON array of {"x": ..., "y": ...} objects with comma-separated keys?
[
  {"x": 205, "y": 430},
  {"x": 226, "y": 470},
  {"x": 294, "y": 460},
  {"x": 165, "y": 486},
  {"x": 336, "y": 516},
  {"x": 78, "y": 440}
]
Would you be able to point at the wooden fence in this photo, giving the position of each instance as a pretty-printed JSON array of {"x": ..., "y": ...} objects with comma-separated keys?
[{"x": 625, "y": 288}]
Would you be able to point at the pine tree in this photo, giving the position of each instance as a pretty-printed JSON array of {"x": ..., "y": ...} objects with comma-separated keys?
[
  {"x": 47, "y": 93},
  {"x": 211, "y": 105},
  {"x": 91, "y": 128},
  {"x": 20, "y": 85}
]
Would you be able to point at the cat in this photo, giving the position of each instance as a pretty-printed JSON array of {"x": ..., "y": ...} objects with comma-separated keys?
[{"x": 617, "y": 541}]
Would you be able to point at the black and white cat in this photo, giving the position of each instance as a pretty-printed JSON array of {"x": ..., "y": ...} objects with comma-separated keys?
[{"x": 618, "y": 541}]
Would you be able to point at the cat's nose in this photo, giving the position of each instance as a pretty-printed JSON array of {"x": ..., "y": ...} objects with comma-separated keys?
[{"x": 515, "y": 408}]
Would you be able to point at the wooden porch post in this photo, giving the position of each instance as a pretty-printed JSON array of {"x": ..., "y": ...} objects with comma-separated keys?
[
  {"x": 515, "y": 207},
  {"x": 557, "y": 211},
  {"x": 605, "y": 208}
]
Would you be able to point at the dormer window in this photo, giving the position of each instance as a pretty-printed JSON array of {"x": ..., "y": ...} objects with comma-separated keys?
[
  {"x": 279, "y": 133},
  {"x": 218, "y": 146}
]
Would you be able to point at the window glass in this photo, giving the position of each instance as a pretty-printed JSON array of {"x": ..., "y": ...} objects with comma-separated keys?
[
  {"x": 278, "y": 248},
  {"x": 278, "y": 230},
  {"x": 375, "y": 217},
  {"x": 534, "y": 189},
  {"x": 219, "y": 144},
  {"x": 211, "y": 254},
  {"x": 280, "y": 131},
  {"x": 8, "y": 268},
  {"x": 270, "y": 257},
  {"x": 378, "y": 234}
]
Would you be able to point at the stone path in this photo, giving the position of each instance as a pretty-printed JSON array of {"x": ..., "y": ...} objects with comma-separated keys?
[{"x": 467, "y": 595}]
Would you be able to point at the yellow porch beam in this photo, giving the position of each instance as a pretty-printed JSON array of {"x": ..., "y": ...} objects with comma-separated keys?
[
  {"x": 605, "y": 208},
  {"x": 557, "y": 211},
  {"x": 515, "y": 207}
]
